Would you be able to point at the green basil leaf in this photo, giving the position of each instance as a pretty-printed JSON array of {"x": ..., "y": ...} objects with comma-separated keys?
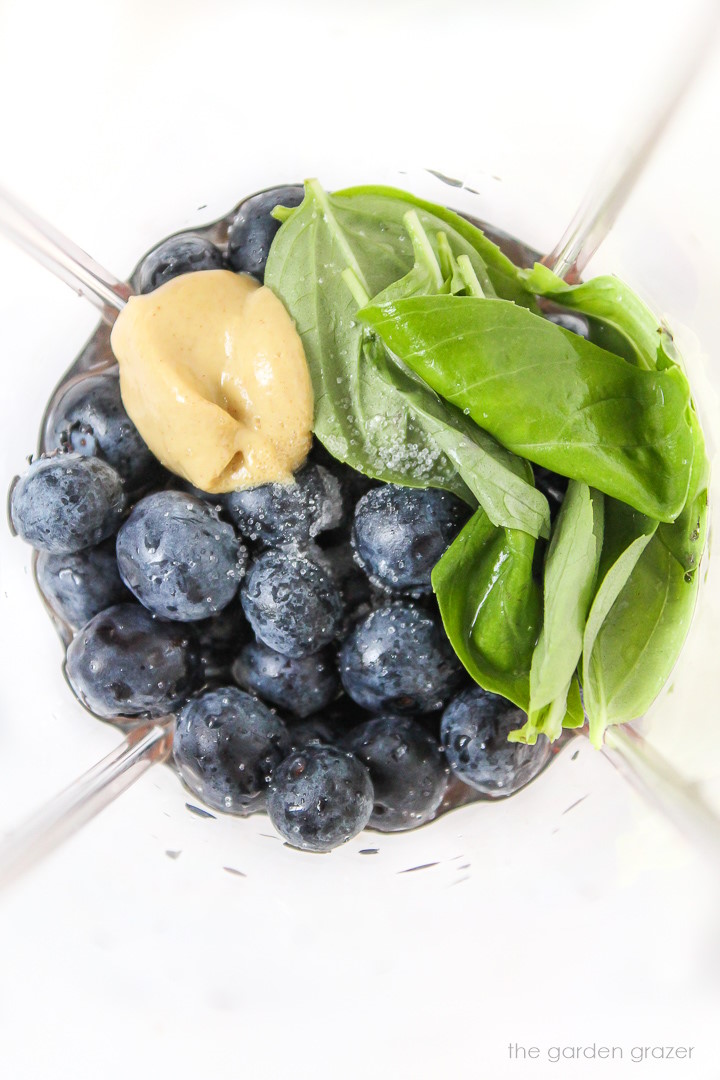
[
  {"x": 501, "y": 483},
  {"x": 610, "y": 339},
  {"x": 490, "y": 605},
  {"x": 611, "y": 301},
  {"x": 685, "y": 538},
  {"x": 615, "y": 310},
  {"x": 383, "y": 422},
  {"x": 361, "y": 418},
  {"x": 571, "y": 568},
  {"x": 549, "y": 395},
  {"x": 637, "y": 623},
  {"x": 618, "y": 685},
  {"x": 575, "y": 715},
  {"x": 378, "y": 210}
]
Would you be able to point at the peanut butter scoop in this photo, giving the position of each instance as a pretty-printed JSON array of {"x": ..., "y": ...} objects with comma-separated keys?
[{"x": 214, "y": 377}]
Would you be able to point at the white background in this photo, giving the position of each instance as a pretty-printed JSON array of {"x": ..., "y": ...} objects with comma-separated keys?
[{"x": 538, "y": 924}]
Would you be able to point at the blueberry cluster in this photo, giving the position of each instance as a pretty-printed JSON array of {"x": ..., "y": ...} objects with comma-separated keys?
[{"x": 289, "y": 629}]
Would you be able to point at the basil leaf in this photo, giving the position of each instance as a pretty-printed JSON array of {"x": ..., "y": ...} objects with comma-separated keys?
[
  {"x": 490, "y": 605},
  {"x": 359, "y": 416},
  {"x": 636, "y": 629},
  {"x": 627, "y": 534},
  {"x": 425, "y": 278},
  {"x": 381, "y": 421},
  {"x": 611, "y": 301},
  {"x": 378, "y": 210},
  {"x": 629, "y": 653},
  {"x": 575, "y": 715},
  {"x": 549, "y": 395},
  {"x": 500, "y": 482},
  {"x": 571, "y": 568},
  {"x": 685, "y": 538},
  {"x": 617, "y": 307}
]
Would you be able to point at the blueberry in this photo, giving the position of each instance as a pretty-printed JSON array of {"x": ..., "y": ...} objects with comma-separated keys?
[
  {"x": 576, "y": 324},
  {"x": 474, "y": 733},
  {"x": 253, "y": 229},
  {"x": 303, "y": 685},
  {"x": 175, "y": 256},
  {"x": 285, "y": 513},
  {"x": 315, "y": 731},
  {"x": 178, "y": 558},
  {"x": 67, "y": 502},
  {"x": 400, "y": 533},
  {"x": 226, "y": 746},
  {"x": 319, "y": 798},
  {"x": 291, "y": 602},
  {"x": 81, "y": 584},
  {"x": 398, "y": 660},
  {"x": 90, "y": 418},
  {"x": 127, "y": 663},
  {"x": 407, "y": 769}
]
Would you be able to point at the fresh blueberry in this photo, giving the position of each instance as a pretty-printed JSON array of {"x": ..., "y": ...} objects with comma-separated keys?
[
  {"x": 79, "y": 585},
  {"x": 474, "y": 733},
  {"x": 90, "y": 418},
  {"x": 127, "y": 663},
  {"x": 576, "y": 324},
  {"x": 303, "y": 685},
  {"x": 399, "y": 534},
  {"x": 288, "y": 513},
  {"x": 291, "y": 602},
  {"x": 408, "y": 772},
  {"x": 226, "y": 746},
  {"x": 178, "y": 558},
  {"x": 313, "y": 732},
  {"x": 175, "y": 256},
  {"x": 398, "y": 660},
  {"x": 67, "y": 502},
  {"x": 253, "y": 229},
  {"x": 319, "y": 798}
]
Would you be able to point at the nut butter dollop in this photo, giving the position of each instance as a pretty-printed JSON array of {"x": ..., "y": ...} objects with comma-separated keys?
[{"x": 214, "y": 376}]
